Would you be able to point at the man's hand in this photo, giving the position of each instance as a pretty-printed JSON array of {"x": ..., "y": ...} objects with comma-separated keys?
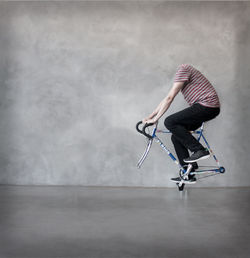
[{"x": 148, "y": 121}]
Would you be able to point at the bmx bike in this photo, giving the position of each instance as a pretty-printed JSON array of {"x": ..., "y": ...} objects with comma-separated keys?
[{"x": 203, "y": 172}]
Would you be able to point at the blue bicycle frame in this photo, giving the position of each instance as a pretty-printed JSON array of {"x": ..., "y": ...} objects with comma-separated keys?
[{"x": 183, "y": 172}]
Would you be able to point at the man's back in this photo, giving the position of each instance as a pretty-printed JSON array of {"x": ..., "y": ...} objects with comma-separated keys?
[{"x": 197, "y": 88}]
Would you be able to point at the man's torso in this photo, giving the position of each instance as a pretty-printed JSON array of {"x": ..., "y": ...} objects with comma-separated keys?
[{"x": 197, "y": 88}]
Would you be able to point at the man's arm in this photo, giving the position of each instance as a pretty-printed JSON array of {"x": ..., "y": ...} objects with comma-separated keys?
[{"x": 164, "y": 104}]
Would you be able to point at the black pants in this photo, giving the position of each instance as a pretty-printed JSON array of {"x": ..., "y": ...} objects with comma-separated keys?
[{"x": 189, "y": 119}]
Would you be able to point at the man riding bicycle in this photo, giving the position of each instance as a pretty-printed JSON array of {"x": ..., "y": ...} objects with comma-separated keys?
[{"x": 204, "y": 105}]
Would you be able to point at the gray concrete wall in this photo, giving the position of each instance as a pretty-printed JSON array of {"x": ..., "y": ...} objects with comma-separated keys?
[{"x": 76, "y": 77}]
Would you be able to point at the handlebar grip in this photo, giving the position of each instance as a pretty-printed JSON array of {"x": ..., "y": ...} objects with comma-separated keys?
[
  {"x": 143, "y": 129},
  {"x": 137, "y": 127}
]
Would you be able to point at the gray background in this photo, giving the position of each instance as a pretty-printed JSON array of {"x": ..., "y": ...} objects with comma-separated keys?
[{"x": 75, "y": 77}]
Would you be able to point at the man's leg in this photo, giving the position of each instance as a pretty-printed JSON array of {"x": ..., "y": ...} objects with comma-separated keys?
[
  {"x": 189, "y": 119},
  {"x": 181, "y": 151}
]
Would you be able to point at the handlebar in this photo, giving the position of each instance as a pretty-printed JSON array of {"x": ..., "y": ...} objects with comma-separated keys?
[{"x": 143, "y": 129}]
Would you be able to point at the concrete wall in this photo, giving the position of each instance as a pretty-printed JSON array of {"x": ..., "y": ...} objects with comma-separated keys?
[{"x": 76, "y": 77}]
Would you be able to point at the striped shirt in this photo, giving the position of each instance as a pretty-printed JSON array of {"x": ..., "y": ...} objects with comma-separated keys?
[{"x": 197, "y": 88}]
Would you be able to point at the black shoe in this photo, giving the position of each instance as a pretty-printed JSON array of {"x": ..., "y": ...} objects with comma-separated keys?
[
  {"x": 194, "y": 166},
  {"x": 192, "y": 177},
  {"x": 198, "y": 155},
  {"x": 190, "y": 180}
]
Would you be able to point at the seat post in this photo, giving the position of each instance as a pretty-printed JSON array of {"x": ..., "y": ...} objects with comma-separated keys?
[{"x": 202, "y": 126}]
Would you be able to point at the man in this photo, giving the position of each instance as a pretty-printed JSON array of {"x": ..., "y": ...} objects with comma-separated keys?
[{"x": 204, "y": 105}]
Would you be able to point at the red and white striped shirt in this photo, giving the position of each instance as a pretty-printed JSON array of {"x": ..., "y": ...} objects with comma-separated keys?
[{"x": 197, "y": 88}]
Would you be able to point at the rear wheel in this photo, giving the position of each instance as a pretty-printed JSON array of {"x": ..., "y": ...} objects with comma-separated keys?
[
  {"x": 222, "y": 170},
  {"x": 180, "y": 186}
]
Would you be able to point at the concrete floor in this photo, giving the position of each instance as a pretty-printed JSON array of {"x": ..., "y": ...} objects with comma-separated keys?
[{"x": 96, "y": 222}]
